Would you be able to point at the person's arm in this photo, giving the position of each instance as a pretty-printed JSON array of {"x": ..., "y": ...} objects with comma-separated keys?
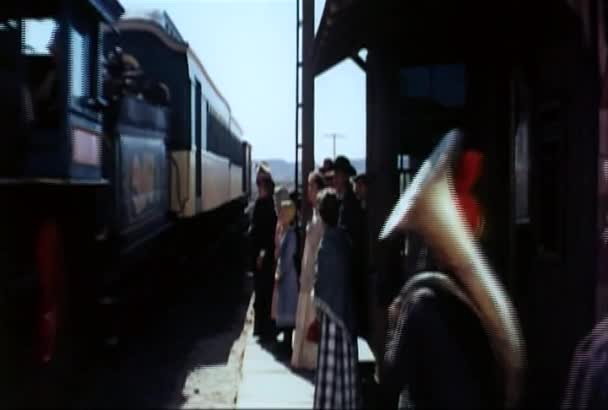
[
  {"x": 396, "y": 363},
  {"x": 254, "y": 231}
]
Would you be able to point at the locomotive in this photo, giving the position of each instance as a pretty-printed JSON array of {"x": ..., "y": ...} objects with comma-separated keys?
[{"x": 117, "y": 146}]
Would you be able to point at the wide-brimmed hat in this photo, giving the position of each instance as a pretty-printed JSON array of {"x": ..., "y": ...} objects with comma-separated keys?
[
  {"x": 343, "y": 164},
  {"x": 263, "y": 170}
]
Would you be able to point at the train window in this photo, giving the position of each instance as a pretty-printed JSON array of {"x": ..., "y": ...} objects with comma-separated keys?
[
  {"x": 79, "y": 63},
  {"x": 38, "y": 35},
  {"x": 198, "y": 136},
  {"x": 192, "y": 110},
  {"x": 8, "y": 25},
  {"x": 10, "y": 38}
]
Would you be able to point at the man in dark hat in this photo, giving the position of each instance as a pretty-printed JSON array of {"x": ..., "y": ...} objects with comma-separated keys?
[
  {"x": 352, "y": 220},
  {"x": 327, "y": 170},
  {"x": 262, "y": 231}
]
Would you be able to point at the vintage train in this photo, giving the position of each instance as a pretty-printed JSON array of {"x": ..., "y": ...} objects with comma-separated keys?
[{"x": 117, "y": 146}]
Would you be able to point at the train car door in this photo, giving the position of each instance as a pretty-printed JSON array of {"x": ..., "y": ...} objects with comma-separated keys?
[{"x": 84, "y": 94}]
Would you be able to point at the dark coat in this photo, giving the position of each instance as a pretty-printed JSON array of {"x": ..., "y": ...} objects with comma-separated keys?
[
  {"x": 588, "y": 380},
  {"x": 263, "y": 225},
  {"x": 439, "y": 357},
  {"x": 352, "y": 220},
  {"x": 333, "y": 282}
]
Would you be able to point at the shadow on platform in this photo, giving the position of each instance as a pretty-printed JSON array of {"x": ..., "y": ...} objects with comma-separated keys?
[{"x": 151, "y": 369}]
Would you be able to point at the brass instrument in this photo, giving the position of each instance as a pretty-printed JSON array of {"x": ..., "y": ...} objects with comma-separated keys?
[{"x": 429, "y": 207}]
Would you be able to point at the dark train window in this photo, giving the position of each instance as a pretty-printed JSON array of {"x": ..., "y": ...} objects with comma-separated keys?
[
  {"x": 79, "y": 63},
  {"x": 198, "y": 135}
]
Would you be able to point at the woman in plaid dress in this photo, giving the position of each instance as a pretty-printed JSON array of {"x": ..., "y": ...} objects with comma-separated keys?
[{"x": 336, "y": 384}]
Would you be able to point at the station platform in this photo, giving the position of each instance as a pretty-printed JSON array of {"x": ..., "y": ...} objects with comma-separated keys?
[{"x": 267, "y": 380}]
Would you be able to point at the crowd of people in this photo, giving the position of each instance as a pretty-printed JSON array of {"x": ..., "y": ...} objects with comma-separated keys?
[
  {"x": 316, "y": 301},
  {"x": 453, "y": 340}
]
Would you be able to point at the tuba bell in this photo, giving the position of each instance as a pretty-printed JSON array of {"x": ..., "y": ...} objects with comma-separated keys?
[{"x": 429, "y": 207}]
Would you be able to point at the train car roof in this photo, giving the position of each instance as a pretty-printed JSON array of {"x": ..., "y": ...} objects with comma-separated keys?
[
  {"x": 160, "y": 24},
  {"x": 234, "y": 123},
  {"x": 108, "y": 10},
  {"x": 158, "y": 17}
]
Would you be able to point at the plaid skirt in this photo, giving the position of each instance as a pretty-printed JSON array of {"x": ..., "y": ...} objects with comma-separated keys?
[{"x": 336, "y": 385}]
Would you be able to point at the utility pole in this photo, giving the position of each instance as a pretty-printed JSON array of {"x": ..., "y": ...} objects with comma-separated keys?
[
  {"x": 334, "y": 136},
  {"x": 306, "y": 100}
]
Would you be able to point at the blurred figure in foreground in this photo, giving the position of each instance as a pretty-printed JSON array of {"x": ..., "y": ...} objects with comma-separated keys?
[
  {"x": 336, "y": 384},
  {"x": 588, "y": 381},
  {"x": 304, "y": 350},
  {"x": 454, "y": 340}
]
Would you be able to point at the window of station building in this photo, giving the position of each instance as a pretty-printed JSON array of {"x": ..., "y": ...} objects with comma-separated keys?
[{"x": 444, "y": 84}]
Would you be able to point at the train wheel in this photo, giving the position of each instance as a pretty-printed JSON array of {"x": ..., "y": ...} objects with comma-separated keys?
[{"x": 51, "y": 272}]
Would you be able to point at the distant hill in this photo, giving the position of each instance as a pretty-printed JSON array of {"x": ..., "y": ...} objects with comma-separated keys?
[{"x": 283, "y": 171}]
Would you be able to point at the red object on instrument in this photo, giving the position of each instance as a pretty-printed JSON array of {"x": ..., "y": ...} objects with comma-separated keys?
[{"x": 467, "y": 174}]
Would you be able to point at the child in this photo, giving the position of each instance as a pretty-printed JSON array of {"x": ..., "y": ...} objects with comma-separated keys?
[
  {"x": 286, "y": 275},
  {"x": 336, "y": 384}
]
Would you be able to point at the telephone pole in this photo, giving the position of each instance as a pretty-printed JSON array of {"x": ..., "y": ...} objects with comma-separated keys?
[
  {"x": 305, "y": 99},
  {"x": 334, "y": 136}
]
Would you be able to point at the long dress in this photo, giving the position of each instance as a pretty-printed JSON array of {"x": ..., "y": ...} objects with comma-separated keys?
[
  {"x": 336, "y": 385},
  {"x": 287, "y": 298},
  {"x": 304, "y": 351}
]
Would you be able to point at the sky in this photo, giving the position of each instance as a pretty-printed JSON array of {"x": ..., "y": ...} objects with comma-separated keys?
[{"x": 249, "y": 49}]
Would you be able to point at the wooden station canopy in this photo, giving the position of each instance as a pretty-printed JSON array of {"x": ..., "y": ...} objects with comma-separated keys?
[{"x": 435, "y": 31}]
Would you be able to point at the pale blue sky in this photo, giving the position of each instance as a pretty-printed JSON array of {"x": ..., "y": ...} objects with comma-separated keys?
[{"x": 249, "y": 49}]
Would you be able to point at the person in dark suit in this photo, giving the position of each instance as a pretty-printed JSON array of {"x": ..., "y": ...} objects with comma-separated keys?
[
  {"x": 262, "y": 233},
  {"x": 352, "y": 220}
]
